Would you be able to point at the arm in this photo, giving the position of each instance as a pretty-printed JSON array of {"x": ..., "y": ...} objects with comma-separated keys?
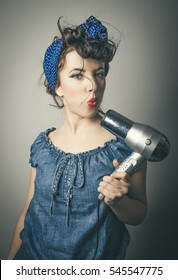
[
  {"x": 16, "y": 241},
  {"x": 126, "y": 195}
]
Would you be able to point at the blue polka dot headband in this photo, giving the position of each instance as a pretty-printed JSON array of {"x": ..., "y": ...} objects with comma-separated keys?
[{"x": 93, "y": 29}]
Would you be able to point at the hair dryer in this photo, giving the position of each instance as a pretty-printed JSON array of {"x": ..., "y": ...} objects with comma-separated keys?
[{"x": 146, "y": 142}]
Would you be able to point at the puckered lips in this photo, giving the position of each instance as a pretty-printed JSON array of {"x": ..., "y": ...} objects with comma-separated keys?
[{"x": 92, "y": 102}]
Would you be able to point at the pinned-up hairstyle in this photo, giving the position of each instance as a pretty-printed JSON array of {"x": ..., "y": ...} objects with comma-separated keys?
[{"x": 90, "y": 40}]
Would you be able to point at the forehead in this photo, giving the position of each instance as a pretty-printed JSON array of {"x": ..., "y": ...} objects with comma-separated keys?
[{"x": 74, "y": 60}]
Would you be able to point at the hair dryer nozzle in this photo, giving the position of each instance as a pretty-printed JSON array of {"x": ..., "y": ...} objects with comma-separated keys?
[
  {"x": 116, "y": 123},
  {"x": 162, "y": 149},
  {"x": 143, "y": 139}
]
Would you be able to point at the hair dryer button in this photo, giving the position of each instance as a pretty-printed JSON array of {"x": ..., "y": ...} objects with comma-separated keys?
[{"x": 148, "y": 142}]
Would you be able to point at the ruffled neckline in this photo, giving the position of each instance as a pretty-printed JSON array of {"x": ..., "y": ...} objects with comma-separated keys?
[{"x": 85, "y": 153}]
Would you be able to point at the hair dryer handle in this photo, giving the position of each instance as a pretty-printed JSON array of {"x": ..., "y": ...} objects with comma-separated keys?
[{"x": 129, "y": 165}]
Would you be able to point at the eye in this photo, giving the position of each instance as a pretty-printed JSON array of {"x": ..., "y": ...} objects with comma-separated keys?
[
  {"x": 100, "y": 74},
  {"x": 76, "y": 76}
]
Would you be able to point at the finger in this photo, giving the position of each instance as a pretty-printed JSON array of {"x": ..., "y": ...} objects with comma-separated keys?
[
  {"x": 110, "y": 194},
  {"x": 113, "y": 189},
  {"x": 108, "y": 179},
  {"x": 115, "y": 163},
  {"x": 117, "y": 180},
  {"x": 121, "y": 175},
  {"x": 110, "y": 183},
  {"x": 101, "y": 196},
  {"x": 114, "y": 185}
]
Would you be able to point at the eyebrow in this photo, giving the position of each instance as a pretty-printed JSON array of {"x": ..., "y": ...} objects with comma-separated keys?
[
  {"x": 82, "y": 70},
  {"x": 77, "y": 69}
]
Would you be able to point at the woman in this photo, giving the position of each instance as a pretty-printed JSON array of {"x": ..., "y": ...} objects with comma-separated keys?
[{"x": 63, "y": 218}]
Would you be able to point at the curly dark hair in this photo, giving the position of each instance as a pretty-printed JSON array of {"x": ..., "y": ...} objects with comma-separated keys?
[{"x": 75, "y": 38}]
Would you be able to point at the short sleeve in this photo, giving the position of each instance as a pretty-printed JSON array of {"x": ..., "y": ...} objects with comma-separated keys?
[
  {"x": 120, "y": 150},
  {"x": 32, "y": 160},
  {"x": 40, "y": 149},
  {"x": 35, "y": 150}
]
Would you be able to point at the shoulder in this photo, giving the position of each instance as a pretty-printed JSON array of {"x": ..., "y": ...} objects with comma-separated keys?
[
  {"x": 43, "y": 136},
  {"x": 119, "y": 149},
  {"x": 40, "y": 145}
]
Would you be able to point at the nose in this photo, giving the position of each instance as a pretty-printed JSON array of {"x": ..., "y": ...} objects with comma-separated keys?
[{"x": 91, "y": 85}]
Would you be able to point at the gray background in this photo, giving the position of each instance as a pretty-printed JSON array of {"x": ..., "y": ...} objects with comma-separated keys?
[{"x": 142, "y": 85}]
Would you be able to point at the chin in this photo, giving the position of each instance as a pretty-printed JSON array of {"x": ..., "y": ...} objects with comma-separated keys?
[{"x": 91, "y": 113}]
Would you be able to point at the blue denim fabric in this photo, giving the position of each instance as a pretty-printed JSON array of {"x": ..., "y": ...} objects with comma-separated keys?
[{"x": 65, "y": 219}]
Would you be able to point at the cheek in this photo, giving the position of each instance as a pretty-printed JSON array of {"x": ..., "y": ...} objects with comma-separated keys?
[
  {"x": 72, "y": 93},
  {"x": 102, "y": 87},
  {"x": 73, "y": 88},
  {"x": 68, "y": 88}
]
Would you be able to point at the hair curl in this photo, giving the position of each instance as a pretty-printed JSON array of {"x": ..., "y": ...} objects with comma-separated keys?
[{"x": 75, "y": 38}]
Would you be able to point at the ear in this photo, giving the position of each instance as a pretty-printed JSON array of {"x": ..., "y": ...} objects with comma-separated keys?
[{"x": 58, "y": 90}]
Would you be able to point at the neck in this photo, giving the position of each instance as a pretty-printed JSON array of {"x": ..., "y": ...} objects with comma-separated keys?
[{"x": 76, "y": 124}]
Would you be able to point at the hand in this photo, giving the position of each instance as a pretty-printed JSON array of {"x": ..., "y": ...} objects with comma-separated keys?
[{"x": 115, "y": 186}]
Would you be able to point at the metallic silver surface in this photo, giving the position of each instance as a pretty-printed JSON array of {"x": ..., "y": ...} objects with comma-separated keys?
[
  {"x": 141, "y": 138},
  {"x": 146, "y": 142}
]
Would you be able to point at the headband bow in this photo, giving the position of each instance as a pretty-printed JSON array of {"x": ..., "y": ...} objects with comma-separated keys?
[{"x": 93, "y": 29}]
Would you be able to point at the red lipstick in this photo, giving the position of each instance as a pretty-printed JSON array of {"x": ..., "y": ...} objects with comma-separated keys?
[{"x": 92, "y": 102}]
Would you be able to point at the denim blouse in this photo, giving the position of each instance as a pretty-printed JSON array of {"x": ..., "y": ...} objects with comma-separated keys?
[{"x": 65, "y": 220}]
